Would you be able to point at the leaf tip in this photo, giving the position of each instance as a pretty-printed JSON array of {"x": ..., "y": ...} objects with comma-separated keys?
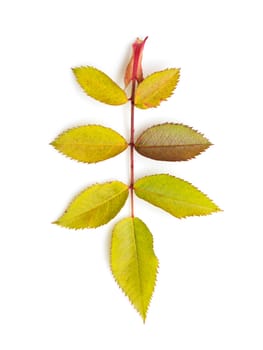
[
  {"x": 218, "y": 209},
  {"x": 52, "y": 143},
  {"x": 74, "y": 69}
]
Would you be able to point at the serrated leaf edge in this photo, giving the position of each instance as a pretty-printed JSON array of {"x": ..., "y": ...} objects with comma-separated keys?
[
  {"x": 80, "y": 161},
  {"x": 209, "y": 144},
  {"x": 155, "y": 280},
  {"x": 145, "y": 105},
  {"x": 86, "y": 94},
  {"x": 189, "y": 183},
  {"x": 84, "y": 228}
]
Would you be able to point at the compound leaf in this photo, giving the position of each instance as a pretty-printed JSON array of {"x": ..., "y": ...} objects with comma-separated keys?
[
  {"x": 98, "y": 85},
  {"x": 90, "y": 143},
  {"x": 174, "y": 195},
  {"x": 156, "y": 88},
  {"x": 171, "y": 142},
  {"x": 133, "y": 262},
  {"x": 95, "y": 206}
]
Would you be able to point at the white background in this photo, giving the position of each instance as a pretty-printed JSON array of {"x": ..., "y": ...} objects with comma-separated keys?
[{"x": 56, "y": 290}]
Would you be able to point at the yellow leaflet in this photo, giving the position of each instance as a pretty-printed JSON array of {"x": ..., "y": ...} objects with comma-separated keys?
[
  {"x": 133, "y": 262},
  {"x": 171, "y": 142},
  {"x": 156, "y": 88},
  {"x": 90, "y": 143},
  {"x": 174, "y": 195},
  {"x": 98, "y": 85},
  {"x": 95, "y": 206}
]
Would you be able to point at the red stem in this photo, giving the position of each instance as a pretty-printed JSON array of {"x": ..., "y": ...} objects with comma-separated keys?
[{"x": 132, "y": 148}]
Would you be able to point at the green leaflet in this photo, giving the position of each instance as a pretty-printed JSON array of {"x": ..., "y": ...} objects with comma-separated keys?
[
  {"x": 95, "y": 206},
  {"x": 156, "y": 88},
  {"x": 171, "y": 142},
  {"x": 98, "y": 85},
  {"x": 90, "y": 143},
  {"x": 174, "y": 195},
  {"x": 133, "y": 262}
]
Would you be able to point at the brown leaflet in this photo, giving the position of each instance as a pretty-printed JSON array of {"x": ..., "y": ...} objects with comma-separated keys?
[{"x": 171, "y": 142}]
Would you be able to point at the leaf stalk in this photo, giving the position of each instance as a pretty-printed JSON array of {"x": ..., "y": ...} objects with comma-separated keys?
[{"x": 132, "y": 147}]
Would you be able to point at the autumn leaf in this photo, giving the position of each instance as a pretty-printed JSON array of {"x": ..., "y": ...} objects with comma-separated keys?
[
  {"x": 95, "y": 206},
  {"x": 171, "y": 142},
  {"x": 174, "y": 195},
  {"x": 133, "y": 262},
  {"x": 156, "y": 88},
  {"x": 90, "y": 143},
  {"x": 98, "y": 85}
]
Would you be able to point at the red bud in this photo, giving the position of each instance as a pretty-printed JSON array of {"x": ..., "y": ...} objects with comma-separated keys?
[{"x": 134, "y": 67}]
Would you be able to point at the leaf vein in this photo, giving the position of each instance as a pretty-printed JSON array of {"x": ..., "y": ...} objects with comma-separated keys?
[
  {"x": 172, "y": 146},
  {"x": 175, "y": 199},
  {"x": 138, "y": 269},
  {"x": 101, "y": 204}
]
